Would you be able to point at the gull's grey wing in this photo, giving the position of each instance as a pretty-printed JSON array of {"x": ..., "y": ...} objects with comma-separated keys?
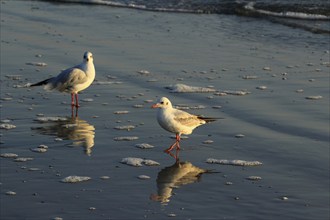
[
  {"x": 187, "y": 119},
  {"x": 69, "y": 78}
]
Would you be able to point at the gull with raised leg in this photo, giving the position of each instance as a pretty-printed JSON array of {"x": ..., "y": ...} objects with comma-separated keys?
[
  {"x": 177, "y": 121},
  {"x": 72, "y": 80}
]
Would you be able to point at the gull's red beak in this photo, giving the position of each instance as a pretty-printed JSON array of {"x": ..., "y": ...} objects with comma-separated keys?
[{"x": 155, "y": 106}]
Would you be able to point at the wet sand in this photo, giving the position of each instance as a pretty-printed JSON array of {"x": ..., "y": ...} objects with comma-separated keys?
[{"x": 281, "y": 120}]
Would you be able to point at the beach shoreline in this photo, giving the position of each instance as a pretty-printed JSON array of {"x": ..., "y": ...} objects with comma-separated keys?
[{"x": 269, "y": 82}]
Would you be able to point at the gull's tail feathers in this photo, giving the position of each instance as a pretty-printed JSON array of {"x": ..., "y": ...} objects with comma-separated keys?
[
  {"x": 208, "y": 119},
  {"x": 48, "y": 84},
  {"x": 44, "y": 82}
]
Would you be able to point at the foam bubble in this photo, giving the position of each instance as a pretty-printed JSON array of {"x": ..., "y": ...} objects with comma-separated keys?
[
  {"x": 75, "y": 179},
  {"x": 7, "y": 126},
  {"x": 36, "y": 64},
  {"x": 232, "y": 92},
  {"x": 87, "y": 100},
  {"x": 104, "y": 177},
  {"x": 182, "y": 88},
  {"x": 8, "y": 155},
  {"x": 138, "y": 162},
  {"x": 10, "y": 193},
  {"x": 125, "y": 127},
  {"x": 261, "y": 87},
  {"x": 254, "y": 178},
  {"x": 143, "y": 177},
  {"x": 23, "y": 159},
  {"x": 120, "y": 112},
  {"x": 126, "y": 138},
  {"x": 208, "y": 142},
  {"x": 52, "y": 119},
  {"x": 144, "y": 146},
  {"x": 234, "y": 162},
  {"x": 39, "y": 149},
  {"x": 250, "y": 77},
  {"x": 314, "y": 97}
]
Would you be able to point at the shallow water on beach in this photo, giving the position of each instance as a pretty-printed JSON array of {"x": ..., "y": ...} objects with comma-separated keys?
[
  {"x": 313, "y": 16},
  {"x": 270, "y": 86}
]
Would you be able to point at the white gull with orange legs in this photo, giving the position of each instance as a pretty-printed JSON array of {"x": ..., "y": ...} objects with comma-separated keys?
[{"x": 177, "y": 121}]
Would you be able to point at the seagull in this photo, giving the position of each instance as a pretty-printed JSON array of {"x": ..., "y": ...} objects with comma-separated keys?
[
  {"x": 177, "y": 121},
  {"x": 72, "y": 80}
]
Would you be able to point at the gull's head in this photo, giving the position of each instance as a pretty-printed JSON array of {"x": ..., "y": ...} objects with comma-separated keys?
[
  {"x": 88, "y": 57},
  {"x": 163, "y": 103}
]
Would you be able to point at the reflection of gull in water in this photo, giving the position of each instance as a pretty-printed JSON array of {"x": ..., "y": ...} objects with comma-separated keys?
[
  {"x": 179, "y": 174},
  {"x": 79, "y": 131}
]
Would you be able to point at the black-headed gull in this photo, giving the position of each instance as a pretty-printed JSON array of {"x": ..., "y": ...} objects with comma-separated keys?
[
  {"x": 177, "y": 121},
  {"x": 72, "y": 80}
]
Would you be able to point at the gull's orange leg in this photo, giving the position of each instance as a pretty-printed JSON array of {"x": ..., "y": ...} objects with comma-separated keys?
[
  {"x": 176, "y": 156},
  {"x": 177, "y": 145},
  {"x": 72, "y": 99},
  {"x": 168, "y": 150},
  {"x": 74, "y": 110},
  {"x": 178, "y": 138},
  {"x": 77, "y": 104}
]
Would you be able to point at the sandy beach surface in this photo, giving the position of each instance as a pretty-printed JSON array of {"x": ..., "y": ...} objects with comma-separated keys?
[{"x": 268, "y": 158}]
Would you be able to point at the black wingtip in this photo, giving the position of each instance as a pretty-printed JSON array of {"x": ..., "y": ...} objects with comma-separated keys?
[
  {"x": 44, "y": 82},
  {"x": 209, "y": 119}
]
